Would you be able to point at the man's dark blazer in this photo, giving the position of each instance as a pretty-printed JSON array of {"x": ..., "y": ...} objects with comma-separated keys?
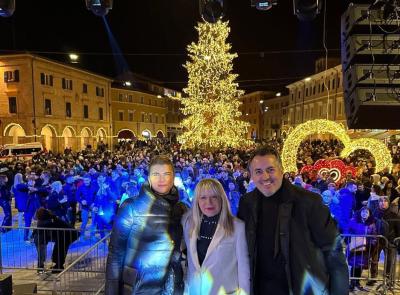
[{"x": 307, "y": 238}]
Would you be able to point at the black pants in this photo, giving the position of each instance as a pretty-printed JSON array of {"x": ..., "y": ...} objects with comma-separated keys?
[{"x": 60, "y": 252}]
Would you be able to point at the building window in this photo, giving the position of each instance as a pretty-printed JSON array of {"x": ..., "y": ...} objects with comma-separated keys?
[
  {"x": 120, "y": 97},
  {"x": 84, "y": 88},
  {"x": 156, "y": 119},
  {"x": 11, "y": 76},
  {"x": 142, "y": 99},
  {"x": 130, "y": 116},
  {"x": 85, "y": 111},
  {"x": 306, "y": 91},
  {"x": 121, "y": 115},
  {"x": 142, "y": 117},
  {"x": 150, "y": 118},
  {"x": 162, "y": 119},
  {"x": 12, "y": 105},
  {"x": 66, "y": 84},
  {"x": 68, "y": 112},
  {"x": 99, "y": 91},
  {"x": 313, "y": 90},
  {"x": 101, "y": 115},
  {"x": 130, "y": 98},
  {"x": 46, "y": 79},
  {"x": 47, "y": 107}
]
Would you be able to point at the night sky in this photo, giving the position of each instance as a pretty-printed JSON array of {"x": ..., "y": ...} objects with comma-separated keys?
[{"x": 274, "y": 47}]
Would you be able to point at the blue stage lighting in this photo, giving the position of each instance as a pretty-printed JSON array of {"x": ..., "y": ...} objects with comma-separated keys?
[
  {"x": 7, "y": 8},
  {"x": 211, "y": 10},
  {"x": 99, "y": 7}
]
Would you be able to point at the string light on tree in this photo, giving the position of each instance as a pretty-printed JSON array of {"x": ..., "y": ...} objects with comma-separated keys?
[{"x": 212, "y": 103}]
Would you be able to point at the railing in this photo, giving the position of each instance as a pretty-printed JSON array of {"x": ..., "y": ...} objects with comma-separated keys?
[
  {"x": 86, "y": 275},
  {"x": 83, "y": 273},
  {"x": 394, "y": 283},
  {"x": 363, "y": 257},
  {"x": 62, "y": 245}
]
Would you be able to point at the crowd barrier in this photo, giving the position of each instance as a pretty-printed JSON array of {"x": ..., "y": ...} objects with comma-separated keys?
[
  {"x": 46, "y": 246},
  {"x": 368, "y": 260},
  {"x": 86, "y": 275},
  {"x": 371, "y": 258}
]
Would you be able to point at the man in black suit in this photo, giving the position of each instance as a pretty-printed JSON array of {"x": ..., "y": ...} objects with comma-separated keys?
[{"x": 294, "y": 245}]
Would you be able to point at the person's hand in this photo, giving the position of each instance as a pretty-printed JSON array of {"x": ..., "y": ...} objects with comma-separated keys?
[{"x": 84, "y": 202}]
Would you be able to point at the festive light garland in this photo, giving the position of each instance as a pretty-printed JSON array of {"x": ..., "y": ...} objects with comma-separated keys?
[
  {"x": 377, "y": 148},
  {"x": 212, "y": 105},
  {"x": 292, "y": 143}
]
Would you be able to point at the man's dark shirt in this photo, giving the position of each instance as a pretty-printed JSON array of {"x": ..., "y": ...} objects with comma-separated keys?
[{"x": 271, "y": 276}]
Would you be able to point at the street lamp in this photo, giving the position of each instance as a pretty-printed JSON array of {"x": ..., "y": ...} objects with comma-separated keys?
[{"x": 74, "y": 58}]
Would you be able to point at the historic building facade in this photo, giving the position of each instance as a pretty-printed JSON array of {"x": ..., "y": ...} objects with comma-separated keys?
[
  {"x": 52, "y": 103},
  {"x": 252, "y": 110},
  {"x": 61, "y": 106}
]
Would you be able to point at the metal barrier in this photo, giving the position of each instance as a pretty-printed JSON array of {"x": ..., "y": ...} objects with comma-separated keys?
[
  {"x": 63, "y": 245},
  {"x": 395, "y": 276},
  {"x": 363, "y": 257},
  {"x": 86, "y": 275}
]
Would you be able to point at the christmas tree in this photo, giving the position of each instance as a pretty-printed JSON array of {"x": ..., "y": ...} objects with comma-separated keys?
[{"x": 212, "y": 103}]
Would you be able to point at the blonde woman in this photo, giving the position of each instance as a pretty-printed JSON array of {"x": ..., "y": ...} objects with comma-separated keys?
[{"x": 216, "y": 244}]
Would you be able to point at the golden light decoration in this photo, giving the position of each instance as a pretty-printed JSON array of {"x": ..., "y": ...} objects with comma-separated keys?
[
  {"x": 212, "y": 103},
  {"x": 377, "y": 148},
  {"x": 294, "y": 139}
]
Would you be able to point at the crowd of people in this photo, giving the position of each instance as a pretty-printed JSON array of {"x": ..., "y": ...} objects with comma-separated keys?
[{"x": 91, "y": 185}]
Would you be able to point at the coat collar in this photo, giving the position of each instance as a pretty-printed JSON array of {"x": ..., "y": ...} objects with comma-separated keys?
[{"x": 218, "y": 236}]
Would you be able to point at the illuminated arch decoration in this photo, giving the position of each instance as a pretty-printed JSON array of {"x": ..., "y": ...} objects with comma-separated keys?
[
  {"x": 48, "y": 127},
  {"x": 377, "y": 148},
  {"x": 86, "y": 132},
  {"x": 160, "y": 134},
  {"x": 126, "y": 134},
  {"x": 101, "y": 134},
  {"x": 68, "y": 131},
  {"x": 292, "y": 143},
  {"x": 10, "y": 128}
]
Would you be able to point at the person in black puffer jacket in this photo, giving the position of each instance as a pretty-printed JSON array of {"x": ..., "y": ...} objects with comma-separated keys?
[{"x": 144, "y": 251}]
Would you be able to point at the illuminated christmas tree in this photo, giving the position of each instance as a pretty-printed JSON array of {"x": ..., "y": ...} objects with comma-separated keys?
[{"x": 212, "y": 103}]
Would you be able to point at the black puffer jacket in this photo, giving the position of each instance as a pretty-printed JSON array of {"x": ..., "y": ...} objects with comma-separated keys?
[{"x": 144, "y": 251}]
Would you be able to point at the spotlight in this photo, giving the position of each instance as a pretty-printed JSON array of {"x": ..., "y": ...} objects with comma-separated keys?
[
  {"x": 263, "y": 4},
  {"x": 7, "y": 8},
  {"x": 99, "y": 7},
  {"x": 211, "y": 10},
  {"x": 307, "y": 9}
]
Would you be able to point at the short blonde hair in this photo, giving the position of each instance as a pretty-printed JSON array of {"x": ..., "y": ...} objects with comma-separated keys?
[{"x": 226, "y": 218}]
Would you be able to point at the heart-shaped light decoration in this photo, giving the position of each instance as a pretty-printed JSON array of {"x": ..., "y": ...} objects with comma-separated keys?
[
  {"x": 336, "y": 169},
  {"x": 377, "y": 148}
]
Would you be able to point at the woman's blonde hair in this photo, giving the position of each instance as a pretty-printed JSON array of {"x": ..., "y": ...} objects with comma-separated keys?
[{"x": 195, "y": 215}]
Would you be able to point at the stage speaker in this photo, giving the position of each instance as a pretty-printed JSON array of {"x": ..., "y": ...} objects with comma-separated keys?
[
  {"x": 370, "y": 50},
  {"x": 5, "y": 284},
  {"x": 373, "y": 108}
]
